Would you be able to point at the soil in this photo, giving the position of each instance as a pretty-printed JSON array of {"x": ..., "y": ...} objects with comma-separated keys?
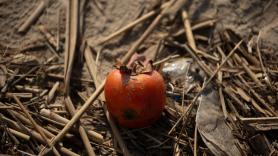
[{"x": 246, "y": 18}]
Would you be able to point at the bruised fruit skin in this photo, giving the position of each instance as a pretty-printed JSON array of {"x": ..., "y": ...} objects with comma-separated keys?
[{"x": 135, "y": 101}]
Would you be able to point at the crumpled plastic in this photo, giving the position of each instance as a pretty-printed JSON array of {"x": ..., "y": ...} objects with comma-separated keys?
[{"x": 177, "y": 70}]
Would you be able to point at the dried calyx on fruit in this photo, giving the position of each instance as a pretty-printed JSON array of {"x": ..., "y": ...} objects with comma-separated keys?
[
  {"x": 138, "y": 64},
  {"x": 135, "y": 94}
]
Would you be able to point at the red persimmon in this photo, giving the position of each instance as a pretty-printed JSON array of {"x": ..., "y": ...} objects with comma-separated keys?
[{"x": 135, "y": 100}]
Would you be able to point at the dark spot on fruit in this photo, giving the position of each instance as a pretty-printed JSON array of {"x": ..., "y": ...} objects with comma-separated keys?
[
  {"x": 129, "y": 114},
  {"x": 114, "y": 118}
]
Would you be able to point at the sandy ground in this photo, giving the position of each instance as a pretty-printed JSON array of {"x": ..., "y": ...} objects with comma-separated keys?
[{"x": 246, "y": 18}]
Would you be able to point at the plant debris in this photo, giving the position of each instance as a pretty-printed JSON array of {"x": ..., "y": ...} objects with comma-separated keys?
[{"x": 222, "y": 86}]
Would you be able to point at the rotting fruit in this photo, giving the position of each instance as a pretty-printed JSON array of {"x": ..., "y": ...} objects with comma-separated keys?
[{"x": 135, "y": 100}]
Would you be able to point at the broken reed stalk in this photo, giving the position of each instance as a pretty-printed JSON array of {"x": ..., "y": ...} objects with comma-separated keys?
[
  {"x": 248, "y": 70},
  {"x": 195, "y": 57},
  {"x": 58, "y": 29},
  {"x": 21, "y": 128},
  {"x": 99, "y": 90},
  {"x": 206, "y": 23},
  {"x": 51, "y": 121},
  {"x": 144, "y": 35},
  {"x": 12, "y": 136},
  {"x": 82, "y": 131},
  {"x": 28, "y": 89},
  {"x": 195, "y": 141},
  {"x": 188, "y": 30},
  {"x": 250, "y": 58},
  {"x": 190, "y": 38},
  {"x": 219, "y": 49},
  {"x": 8, "y": 82},
  {"x": 267, "y": 78},
  {"x": 52, "y": 50},
  {"x": 57, "y": 118},
  {"x": 53, "y": 116},
  {"x": 7, "y": 107},
  {"x": 71, "y": 40},
  {"x": 150, "y": 137},
  {"x": 91, "y": 64},
  {"x": 129, "y": 26},
  {"x": 67, "y": 152},
  {"x": 206, "y": 83},
  {"x": 35, "y": 125},
  {"x": 206, "y": 55},
  {"x": 247, "y": 98},
  {"x": 26, "y": 121},
  {"x": 24, "y": 152},
  {"x": 19, "y": 134},
  {"x": 244, "y": 94},
  {"x": 97, "y": 58},
  {"x": 24, "y": 75},
  {"x": 165, "y": 59},
  {"x": 34, "y": 16},
  {"x": 49, "y": 37},
  {"x": 34, "y": 134},
  {"x": 177, "y": 150},
  {"x": 52, "y": 92},
  {"x": 199, "y": 52},
  {"x": 21, "y": 95},
  {"x": 116, "y": 133},
  {"x": 260, "y": 120},
  {"x": 57, "y": 76},
  {"x": 67, "y": 44},
  {"x": 221, "y": 96},
  {"x": 239, "y": 103},
  {"x": 258, "y": 97},
  {"x": 55, "y": 130}
]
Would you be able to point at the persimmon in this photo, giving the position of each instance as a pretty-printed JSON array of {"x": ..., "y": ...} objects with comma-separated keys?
[{"x": 135, "y": 100}]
